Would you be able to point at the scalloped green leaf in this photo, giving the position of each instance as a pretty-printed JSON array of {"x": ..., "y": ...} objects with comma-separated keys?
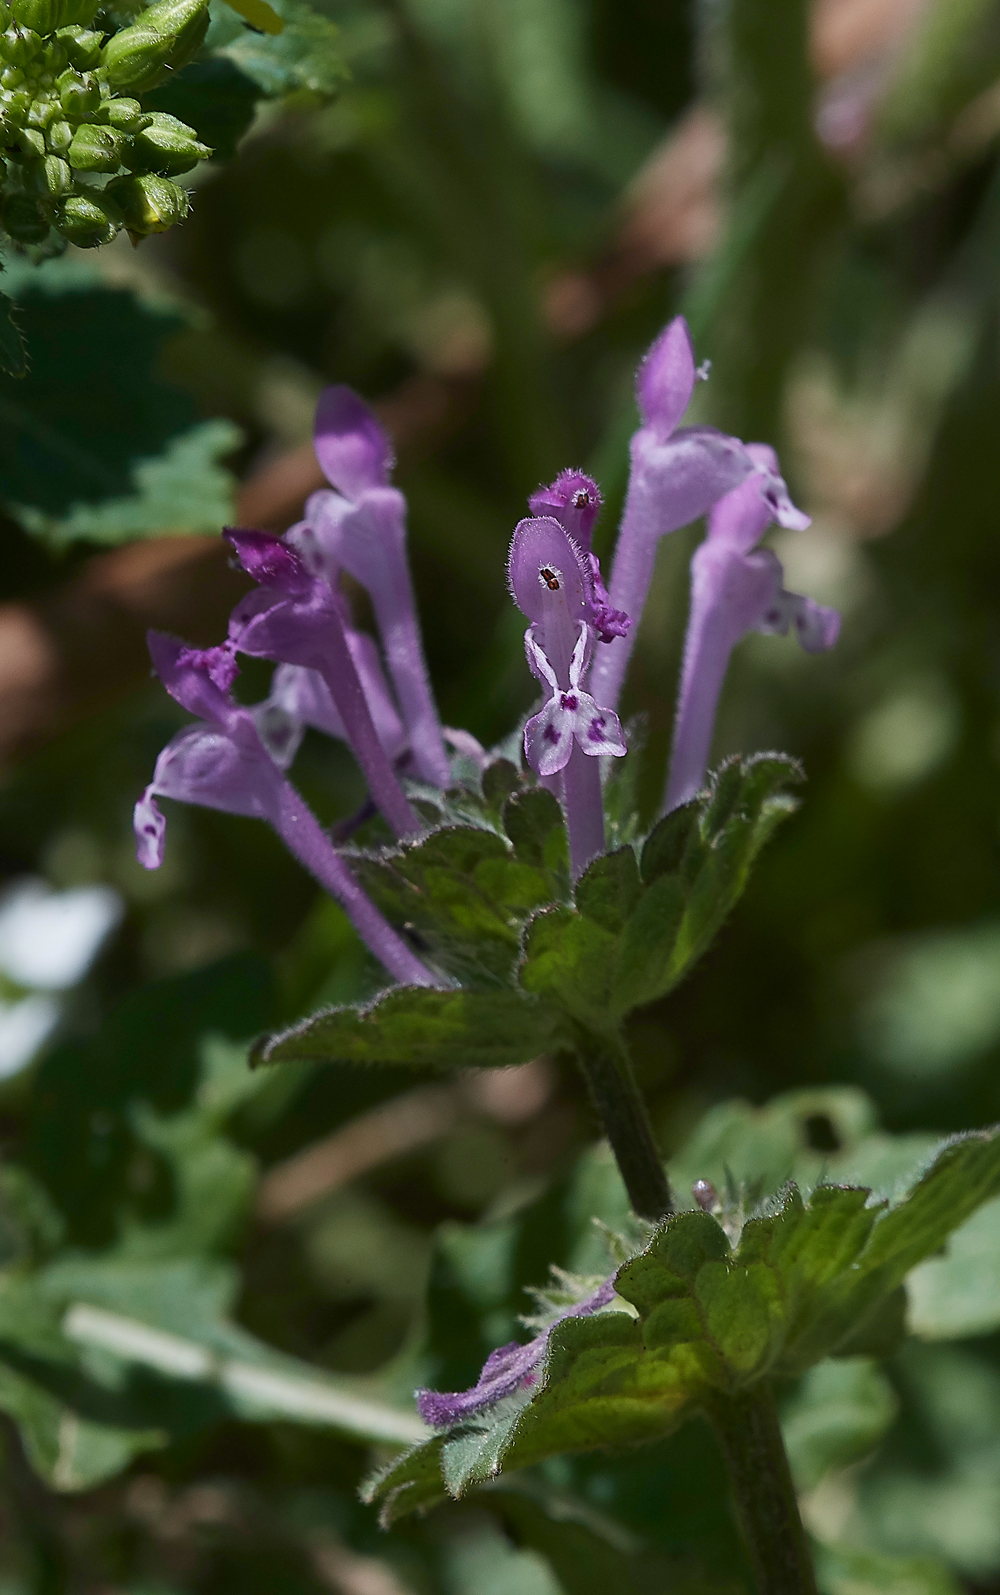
[
  {"x": 422, "y": 1028},
  {"x": 712, "y": 1318}
]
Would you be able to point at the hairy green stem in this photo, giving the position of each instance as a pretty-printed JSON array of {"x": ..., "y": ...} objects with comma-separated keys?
[
  {"x": 763, "y": 1494},
  {"x": 616, "y": 1097}
]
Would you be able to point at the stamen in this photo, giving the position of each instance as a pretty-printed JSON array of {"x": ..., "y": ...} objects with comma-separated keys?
[{"x": 550, "y": 576}]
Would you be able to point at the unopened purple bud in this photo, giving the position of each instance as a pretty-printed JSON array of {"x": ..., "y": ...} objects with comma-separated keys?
[
  {"x": 509, "y": 1368},
  {"x": 352, "y": 448},
  {"x": 574, "y": 500},
  {"x": 705, "y": 1195},
  {"x": 269, "y": 560},
  {"x": 665, "y": 379}
]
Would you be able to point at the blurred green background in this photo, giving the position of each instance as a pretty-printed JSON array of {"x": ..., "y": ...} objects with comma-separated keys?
[{"x": 481, "y": 231}]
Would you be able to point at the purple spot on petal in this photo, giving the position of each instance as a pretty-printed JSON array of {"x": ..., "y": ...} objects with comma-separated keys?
[
  {"x": 569, "y": 700},
  {"x": 596, "y": 729},
  {"x": 551, "y": 734}
]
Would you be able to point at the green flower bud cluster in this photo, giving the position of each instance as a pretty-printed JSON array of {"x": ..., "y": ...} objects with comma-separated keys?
[{"x": 80, "y": 158}]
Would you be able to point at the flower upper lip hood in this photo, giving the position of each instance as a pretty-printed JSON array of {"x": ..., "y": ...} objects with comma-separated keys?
[
  {"x": 677, "y": 474},
  {"x": 352, "y": 447},
  {"x": 736, "y": 588},
  {"x": 359, "y": 525}
]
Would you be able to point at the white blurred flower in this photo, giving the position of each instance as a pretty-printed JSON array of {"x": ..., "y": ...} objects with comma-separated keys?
[{"x": 48, "y": 939}]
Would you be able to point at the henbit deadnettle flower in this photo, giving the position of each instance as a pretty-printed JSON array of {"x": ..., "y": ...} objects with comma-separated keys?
[
  {"x": 509, "y": 1368},
  {"x": 220, "y": 762},
  {"x": 676, "y": 475},
  {"x": 736, "y": 588},
  {"x": 297, "y": 618},
  {"x": 361, "y": 528},
  {"x": 550, "y": 581}
]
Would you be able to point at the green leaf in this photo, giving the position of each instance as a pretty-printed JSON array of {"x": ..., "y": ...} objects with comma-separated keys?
[
  {"x": 646, "y": 948},
  {"x": 304, "y": 56},
  {"x": 421, "y": 1028},
  {"x": 465, "y": 892},
  {"x": 713, "y": 1317},
  {"x": 214, "y": 97},
  {"x": 637, "y": 931},
  {"x": 609, "y": 889},
  {"x": 412, "y": 1481},
  {"x": 569, "y": 960},
  {"x": 13, "y": 349},
  {"x": 852, "y": 1570},
  {"x": 959, "y": 1294},
  {"x": 534, "y": 823},
  {"x": 838, "y": 1414},
  {"x": 94, "y": 444}
]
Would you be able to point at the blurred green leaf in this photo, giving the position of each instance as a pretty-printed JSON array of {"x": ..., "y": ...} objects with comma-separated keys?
[
  {"x": 849, "y": 1570},
  {"x": 305, "y": 55},
  {"x": 838, "y": 1414},
  {"x": 13, "y": 349},
  {"x": 96, "y": 446},
  {"x": 212, "y": 96},
  {"x": 959, "y": 1294}
]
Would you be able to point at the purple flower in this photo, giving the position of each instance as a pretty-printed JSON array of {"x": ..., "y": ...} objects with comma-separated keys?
[
  {"x": 607, "y": 621},
  {"x": 302, "y": 696},
  {"x": 221, "y": 763},
  {"x": 574, "y": 500},
  {"x": 676, "y": 476},
  {"x": 551, "y": 581},
  {"x": 569, "y": 713},
  {"x": 361, "y": 528},
  {"x": 736, "y": 588},
  {"x": 505, "y": 1370},
  {"x": 298, "y": 618}
]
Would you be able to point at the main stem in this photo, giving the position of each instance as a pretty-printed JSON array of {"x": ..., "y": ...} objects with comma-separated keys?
[
  {"x": 763, "y": 1494},
  {"x": 622, "y": 1111},
  {"x": 746, "y": 1425}
]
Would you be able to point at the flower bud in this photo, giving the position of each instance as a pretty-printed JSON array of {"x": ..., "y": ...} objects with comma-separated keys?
[
  {"x": 17, "y": 47},
  {"x": 88, "y": 220},
  {"x": 58, "y": 137},
  {"x": 164, "y": 38},
  {"x": 16, "y": 105},
  {"x": 78, "y": 94},
  {"x": 24, "y": 220},
  {"x": 96, "y": 149},
  {"x": 83, "y": 48},
  {"x": 45, "y": 16},
  {"x": 49, "y": 177},
  {"x": 149, "y": 204},
  {"x": 184, "y": 21},
  {"x": 41, "y": 113},
  {"x": 30, "y": 141},
  {"x": 167, "y": 145},
  {"x": 127, "y": 116}
]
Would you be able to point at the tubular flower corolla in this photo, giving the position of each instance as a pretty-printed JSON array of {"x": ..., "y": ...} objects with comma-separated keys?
[
  {"x": 677, "y": 473},
  {"x": 736, "y": 588},
  {"x": 221, "y": 762},
  {"x": 360, "y": 527}
]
